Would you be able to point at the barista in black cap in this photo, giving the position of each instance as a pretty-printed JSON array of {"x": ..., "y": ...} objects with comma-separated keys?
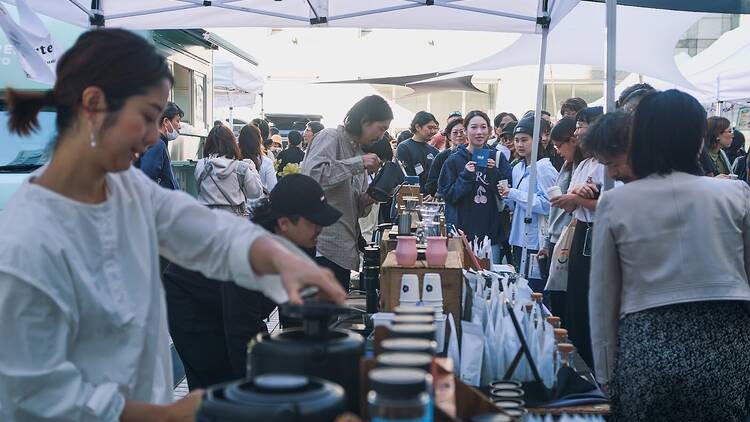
[{"x": 296, "y": 210}]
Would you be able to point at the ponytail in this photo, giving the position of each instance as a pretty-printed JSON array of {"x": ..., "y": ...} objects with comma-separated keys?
[{"x": 24, "y": 108}]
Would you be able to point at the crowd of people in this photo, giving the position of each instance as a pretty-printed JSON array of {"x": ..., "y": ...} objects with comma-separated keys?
[{"x": 89, "y": 241}]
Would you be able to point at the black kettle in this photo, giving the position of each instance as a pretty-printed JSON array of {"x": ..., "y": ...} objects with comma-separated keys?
[
  {"x": 386, "y": 182},
  {"x": 314, "y": 350},
  {"x": 273, "y": 397}
]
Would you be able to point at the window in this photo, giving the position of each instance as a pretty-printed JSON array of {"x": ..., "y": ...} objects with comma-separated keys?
[
  {"x": 200, "y": 104},
  {"x": 182, "y": 91}
]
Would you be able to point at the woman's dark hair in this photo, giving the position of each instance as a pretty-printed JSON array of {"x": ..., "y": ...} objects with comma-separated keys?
[
  {"x": 315, "y": 127},
  {"x": 216, "y": 122},
  {"x": 420, "y": 119},
  {"x": 667, "y": 134},
  {"x": 474, "y": 113},
  {"x": 403, "y": 135},
  {"x": 589, "y": 114},
  {"x": 274, "y": 131},
  {"x": 562, "y": 133},
  {"x": 609, "y": 136},
  {"x": 220, "y": 142},
  {"x": 295, "y": 138},
  {"x": 172, "y": 110},
  {"x": 267, "y": 143},
  {"x": 262, "y": 125},
  {"x": 250, "y": 144},
  {"x": 102, "y": 58},
  {"x": 499, "y": 118},
  {"x": 372, "y": 108},
  {"x": 263, "y": 214},
  {"x": 715, "y": 126},
  {"x": 450, "y": 127},
  {"x": 575, "y": 104},
  {"x": 738, "y": 144},
  {"x": 633, "y": 93}
]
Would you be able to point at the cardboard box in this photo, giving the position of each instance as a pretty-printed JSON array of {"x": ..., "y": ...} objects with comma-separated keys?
[{"x": 451, "y": 277}]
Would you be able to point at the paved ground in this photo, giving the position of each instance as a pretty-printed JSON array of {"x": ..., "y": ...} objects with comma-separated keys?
[{"x": 272, "y": 323}]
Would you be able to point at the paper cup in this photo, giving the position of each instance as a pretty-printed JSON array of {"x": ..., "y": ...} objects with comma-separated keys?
[
  {"x": 554, "y": 191},
  {"x": 504, "y": 183}
]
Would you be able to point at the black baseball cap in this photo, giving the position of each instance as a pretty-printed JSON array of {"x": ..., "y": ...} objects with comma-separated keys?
[
  {"x": 298, "y": 194},
  {"x": 509, "y": 128},
  {"x": 525, "y": 125}
]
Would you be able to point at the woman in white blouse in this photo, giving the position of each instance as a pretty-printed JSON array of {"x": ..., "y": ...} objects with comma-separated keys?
[
  {"x": 81, "y": 304},
  {"x": 580, "y": 201},
  {"x": 669, "y": 292}
]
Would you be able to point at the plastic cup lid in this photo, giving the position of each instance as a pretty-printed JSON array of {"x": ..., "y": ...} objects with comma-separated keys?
[
  {"x": 398, "y": 381},
  {"x": 418, "y": 345},
  {"x": 405, "y": 360}
]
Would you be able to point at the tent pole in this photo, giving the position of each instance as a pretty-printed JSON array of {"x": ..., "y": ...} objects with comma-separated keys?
[
  {"x": 96, "y": 19},
  {"x": 534, "y": 147},
  {"x": 610, "y": 28}
]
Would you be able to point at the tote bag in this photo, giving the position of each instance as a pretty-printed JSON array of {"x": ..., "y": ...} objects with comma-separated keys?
[{"x": 558, "y": 271}]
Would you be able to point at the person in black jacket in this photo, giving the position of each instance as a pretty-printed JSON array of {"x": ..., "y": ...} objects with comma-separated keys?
[
  {"x": 470, "y": 190},
  {"x": 291, "y": 155},
  {"x": 455, "y": 134},
  {"x": 416, "y": 154}
]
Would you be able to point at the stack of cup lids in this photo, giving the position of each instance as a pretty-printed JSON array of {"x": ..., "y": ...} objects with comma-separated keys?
[
  {"x": 424, "y": 331},
  {"x": 421, "y": 361},
  {"x": 409, "y": 345},
  {"x": 509, "y": 396}
]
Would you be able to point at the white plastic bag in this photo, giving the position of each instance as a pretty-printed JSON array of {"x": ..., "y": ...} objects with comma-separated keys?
[
  {"x": 453, "y": 351},
  {"x": 472, "y": 351}
]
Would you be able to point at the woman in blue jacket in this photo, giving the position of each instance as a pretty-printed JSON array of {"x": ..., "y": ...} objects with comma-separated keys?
[{"x": 471, "y": 198}]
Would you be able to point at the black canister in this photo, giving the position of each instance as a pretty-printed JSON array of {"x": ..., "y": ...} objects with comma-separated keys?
[
  {"x": 313, "y": 351},
  {"x": 272, "y": 397},
  {"x": 409, "y": 345}
]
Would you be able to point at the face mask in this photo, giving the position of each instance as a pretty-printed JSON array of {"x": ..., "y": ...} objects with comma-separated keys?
[{"x": 173, "y": 134}]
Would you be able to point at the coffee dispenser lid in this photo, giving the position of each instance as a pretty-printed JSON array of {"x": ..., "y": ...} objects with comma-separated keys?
[
  {"x": 398, "y": 381},
  {"x": 417, "y": 345}
]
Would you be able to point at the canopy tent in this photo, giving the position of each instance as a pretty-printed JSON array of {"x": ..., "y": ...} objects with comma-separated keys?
[
  {"x": 235, "y": 86},
  {"x": 636, "y": 28},
  {"x": 712, "y": 6},
  {"x": 421, "y": 84},
  {"x": 483, "y": 15}
]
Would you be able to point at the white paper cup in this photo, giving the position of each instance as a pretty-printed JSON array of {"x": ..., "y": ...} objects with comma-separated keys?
[
  {"x": 432, "y": 290},
  {"x": 409, "y": 288},
  {"x": 504, "y": 183},
  {"x": 554, "y": 191}
]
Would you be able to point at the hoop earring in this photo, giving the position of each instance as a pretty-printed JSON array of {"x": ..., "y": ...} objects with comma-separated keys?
[{"x": 92, "y": 140}]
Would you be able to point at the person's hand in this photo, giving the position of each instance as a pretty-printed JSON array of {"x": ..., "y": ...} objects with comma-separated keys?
[
  {"x": 371, "y": 162},
  {"x": 587, "y": 191},
  {"x": 503, "y": 190},
  {"x": 567, "y": 202},
  {"x": 471, "y": 166},
  {"x": 427, "y": 198},
  {"x": 543, "y": 252},
  {"x": 185, "y": 409},
  {"x": 297, "y": 273},
  {"x": 490, "y": 163},
  {"x": 366, "y": 200}
]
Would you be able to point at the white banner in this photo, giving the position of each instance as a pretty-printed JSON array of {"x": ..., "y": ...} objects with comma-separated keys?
[{"x": 32, "y": 42}]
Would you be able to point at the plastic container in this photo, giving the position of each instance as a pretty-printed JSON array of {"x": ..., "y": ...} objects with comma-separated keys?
[{"x": 398, "y": 394}]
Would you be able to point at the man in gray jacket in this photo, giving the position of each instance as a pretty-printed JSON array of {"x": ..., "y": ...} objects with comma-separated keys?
[{"x": 336, "y": 161}]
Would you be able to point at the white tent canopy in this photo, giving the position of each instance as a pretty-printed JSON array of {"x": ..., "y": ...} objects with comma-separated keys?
[
  {"x": 235, "y": 86},
  {"x": 472, "y": 15},
  {"x": 645, "y": 44},
  {"x": 718, "y": 73}
]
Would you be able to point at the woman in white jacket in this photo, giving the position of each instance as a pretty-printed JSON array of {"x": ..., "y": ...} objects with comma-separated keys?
[
  {"x": 82, "y": 312},
  {"x": 251, "y": 147},
  {"x": 224, "y": 180}
]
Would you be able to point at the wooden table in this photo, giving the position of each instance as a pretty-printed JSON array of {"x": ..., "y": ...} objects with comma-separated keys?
[{"x": 451, "y": 276}]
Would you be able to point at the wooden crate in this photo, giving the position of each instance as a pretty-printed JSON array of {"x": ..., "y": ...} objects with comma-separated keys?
[
  {"x": 407, "y": 190},
  {"x": 451, "y": 277}
]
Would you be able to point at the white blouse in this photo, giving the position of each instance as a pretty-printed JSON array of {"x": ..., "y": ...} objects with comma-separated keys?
[{"x": 82, "y": 311}]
